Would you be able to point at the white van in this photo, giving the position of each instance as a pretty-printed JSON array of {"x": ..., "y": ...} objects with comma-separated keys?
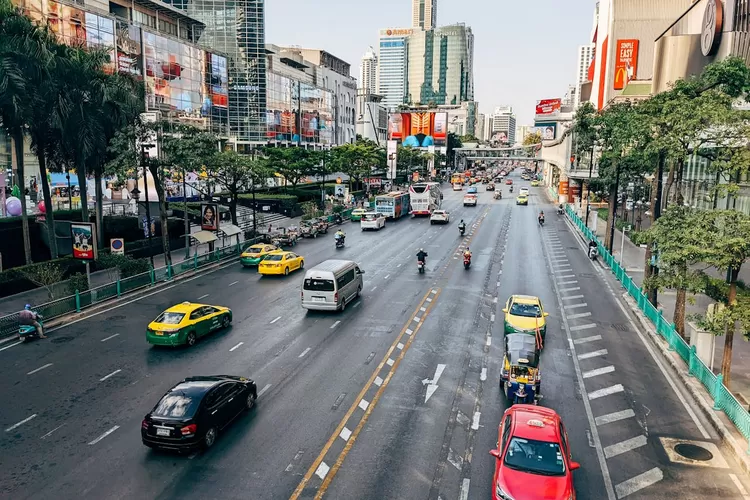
[
  {"x": 372, "y": 220},
  {"x": 331, "y": 285}
]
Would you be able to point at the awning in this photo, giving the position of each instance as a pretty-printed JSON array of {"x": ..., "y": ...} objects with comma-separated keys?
[
  {"x": 229, "y": 229},
  {"x": 59, "y": 180},
  {"x": 204, "y": 236}
]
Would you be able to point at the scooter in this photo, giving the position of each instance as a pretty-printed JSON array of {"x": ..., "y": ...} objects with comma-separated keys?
[
  {"x": 339, "y": 241},
  {"x": 28, "y": 332},
  {"x": 541, "y": 221},
  {"x": 560, "y": 210},
  {"x": 462, "y": 230},
  {"x": 420, "y": 266},
  {"x": 593, "y": 253},
  {"x": 467, "y": 261}
]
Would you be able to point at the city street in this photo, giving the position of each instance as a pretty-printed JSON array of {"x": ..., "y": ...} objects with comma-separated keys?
[{"x": 397, "y": 397}]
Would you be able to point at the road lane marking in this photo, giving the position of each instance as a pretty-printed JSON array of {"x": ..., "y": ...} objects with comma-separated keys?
[
  {"x": 570, "y": 289},
  {"x": 593, "y": 354},
  {"x": 489, "y": 341},
  {"x": 110, "y": 375},
  {"x": 573, "y": 297},
  {"x": 386, "y": 276},
  {"x": 606, "y": 391},
  {"x": 235, "y": 347},
  {"x": 11, "y": 345},
  {"x": 586, "y": 340},
  {"x": 494, "y": 301},
  {"x": 399, "y": 346},
  {"x": 423, "y": 309},
  {"x": 398, "y": 265},
  {"x": 739, "y": 486},
  {"x": 475, "y": 420},
  {"x": 378, "y": 381},
  {"x": 569, "y": 282},
  {"x": 578, "y": 328},
  {"x": 202, "y": 297},
  {"x": 109, "y": 338},
  {"x": 598, "y": 371},
  {"x": 50, "y": 432},
  {"x": 638, "y": 482},
  {"x": 483, "y": 376},
  {"x": 264, "y": 390},
  {"x": 374, "y": 288},
  {"x": 408, "y": 331},
  {"x": 624, "y": 446},
  {"x": 322, "y": 470},
  {"x": 464, "y": 495},
  {"x": 39, "y": 369},
  {"x": 345, "y": 434},
  {"x": 337, "y": 323},
  {"x": 19, "y": 424},
  {"x": 614, "y": 417},
  {"x": 576, "y": 306},
  {"x": 304, "y": 353},
  {"x": 110, "y": 431},
  {"x": 233, "y": 283},
  {"x": 363, "y": 404},
  {"x": 492, "y": 317},
  {"x": 389, "y": 362},
  {"x": 311, "y": 471},
  {"x": 417, "y": 319},
  {"x": 275, "y": 320},
  {"x": 579, "y": 315},
  {"x": 565, "y": 276}
]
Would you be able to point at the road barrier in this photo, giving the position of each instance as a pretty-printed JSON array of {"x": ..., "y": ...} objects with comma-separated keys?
[
  {"x": 115, "y": 289},
  {"x": 722, "y": 398}
]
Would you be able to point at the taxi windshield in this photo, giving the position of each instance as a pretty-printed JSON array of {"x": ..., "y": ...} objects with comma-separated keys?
[
  {"x": 526, "y": 310},
  {"x": 170, "y": 318},
  {"x": 536, "y": 457},
  {"x": 276, "y": 257}
]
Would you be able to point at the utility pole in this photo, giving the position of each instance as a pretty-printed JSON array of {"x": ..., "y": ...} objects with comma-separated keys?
[
  {"x": 653, "y": 294},
  {"x": 588, "y": 187},
  {"x": 144, "y": 163}
]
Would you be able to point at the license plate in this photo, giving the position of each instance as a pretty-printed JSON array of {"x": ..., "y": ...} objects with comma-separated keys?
[
  {"x": 159, "y": 333},
  {"x": 319, "y": 299},
  {"x": 162, "y": 432}
]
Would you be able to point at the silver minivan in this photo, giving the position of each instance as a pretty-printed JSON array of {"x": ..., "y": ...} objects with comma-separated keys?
[{"x": 331, "y": 285}]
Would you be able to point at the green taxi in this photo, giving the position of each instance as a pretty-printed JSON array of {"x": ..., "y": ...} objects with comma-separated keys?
[
  {"x": 256, "y": 253},
  {"x": 522, "y": 199},
  {"x": 185, "y": 323},
  {"x": 357, "y": 214}
]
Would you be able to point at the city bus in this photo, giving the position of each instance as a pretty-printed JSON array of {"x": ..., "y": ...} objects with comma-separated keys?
[
  {"x": 393, "y": 205},
  {"x": 425, "y": 197}
]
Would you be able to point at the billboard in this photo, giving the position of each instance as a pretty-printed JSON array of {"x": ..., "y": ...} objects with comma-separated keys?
[
  {"x": 547, "y": 131},
  {"x": 548, "y": 107},
  {"x": 418, "y": 129},
  {"x": 129, "y": 49},
  {"x": 83, "y": 235},
  {"x": 210, "y": 217},
  {"x": 626, "y": 63}
]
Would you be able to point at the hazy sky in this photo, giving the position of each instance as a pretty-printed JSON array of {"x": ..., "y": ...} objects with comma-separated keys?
[{"x": 523, "y": 50}]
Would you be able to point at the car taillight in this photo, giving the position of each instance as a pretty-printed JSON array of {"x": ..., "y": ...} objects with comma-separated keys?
[
  {"x": 189, "y": 429},
  {"x": 144, "y": 424},
  {"x": 336, "y": 297},
  {"x": 302, "y": 295}
]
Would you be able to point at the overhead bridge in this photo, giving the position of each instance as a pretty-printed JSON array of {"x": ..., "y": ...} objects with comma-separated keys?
[{"x": 527, "y": 153}]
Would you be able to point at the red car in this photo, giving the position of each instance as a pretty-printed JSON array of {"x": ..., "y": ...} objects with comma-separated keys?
[
  {"x": 533, "y": 456},
  {"x": 509, "y": 181}
]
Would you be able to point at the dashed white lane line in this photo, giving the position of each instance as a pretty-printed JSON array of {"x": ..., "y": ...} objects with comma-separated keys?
[
  {"x": 235, "y": 347},
  {"x": 578, "y": 315},
  {"x": 275, "y": 320},
  {"x": 494, "y": 301},
  {"x": 606, "y": 391},
  {"x": 345, "y": 434},
  {"x": 50, "y": 432},
  {"x": 110, "y": 431},
  {"x": 322, "y": 470},
  {"x": 739, "y": 486},
  {"x": 364, "y": 404},
  {"x": 638, "y": 482},
  {"x": 598, "y": 371},
  {"x": 565, "y": 276},
  {"x": 586, "y": 340},
  {"x": 110, "y": 375},
  {"x": 233, "y": 283},
  {"x": 492, "y": 317},
  {"x": 465, "y": 484},
  {"x": 624, "y": 446},
  {"x": 578, "y": 328},
  {"x": 573, "y": 297},
  {"x": 337, "y": 323},
  {"x": 483, "y": 376},
  {"x": 386, "y": 276},
  {"x": 264, "y": 390},
  {"x": 19, "y": 424},
  {"x": 489, "y": 341},
  {"x": 398, "y": 265},
  {"x": 614, "y": 417},
  {"x": 423, "y": 309},
  {"x": 202, "y": 297},
  {"x": 568, "y": 282},
  {"x": 39, "y": 369},
  {"x": 374, "y": 288},
  {"x": 576, "y": 306},
  {"x": 593, "y": 354},
  {"x": 304, "y": 353},
  {"x": 11, "y": 345},
  {"x": 475, "y": 420},
  {"x": 570, "y": 289},
  {"x": 109, "y": 338}
]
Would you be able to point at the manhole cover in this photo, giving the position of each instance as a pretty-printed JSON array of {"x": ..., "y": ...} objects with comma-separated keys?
[
  {"x": 693, "y": 452},
  {"x": 620, "y": 327},
  {"x": 60, "y": 340}
]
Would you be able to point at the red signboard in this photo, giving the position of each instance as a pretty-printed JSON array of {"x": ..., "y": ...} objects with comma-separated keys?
[
  {"x": 626, "y": 63},
  {"x": 548, "y": 106}
]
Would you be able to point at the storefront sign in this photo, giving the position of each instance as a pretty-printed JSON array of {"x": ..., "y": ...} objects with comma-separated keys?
[
  {"x": 626, "y": 63},
  {"x": 563, "y": 188},
  {"x": 397, "y": 32},
  {"x": 575, "y": 190},
  {"x": 713, "y": 22}
]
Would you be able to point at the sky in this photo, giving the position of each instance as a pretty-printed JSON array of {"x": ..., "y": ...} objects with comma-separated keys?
[{"x": 523, "y": 50}]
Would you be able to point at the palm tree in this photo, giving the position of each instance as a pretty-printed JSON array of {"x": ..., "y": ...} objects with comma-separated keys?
[{"x": 24, "y": 58}]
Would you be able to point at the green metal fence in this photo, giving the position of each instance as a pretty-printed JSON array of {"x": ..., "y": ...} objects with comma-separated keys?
[{"x": 723, "y": 399}]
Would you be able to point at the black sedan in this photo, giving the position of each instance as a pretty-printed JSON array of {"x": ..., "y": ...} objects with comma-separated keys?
[{"x": 191, "y": 414}]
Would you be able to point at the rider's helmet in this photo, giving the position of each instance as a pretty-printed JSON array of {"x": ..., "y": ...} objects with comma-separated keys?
[{"x": 27, "y": 307}]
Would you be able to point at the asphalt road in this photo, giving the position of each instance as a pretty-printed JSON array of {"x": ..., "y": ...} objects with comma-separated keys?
[{"x": 344, "y": 409}]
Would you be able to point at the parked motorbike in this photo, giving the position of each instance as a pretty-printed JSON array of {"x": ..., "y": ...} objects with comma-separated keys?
[
  {"x": 560, "y": 210},
  {"x": 420, "y": 266},
  {"x": 467, "y": 261},
  {"x": 28, "y": 332},
  {"x": 593, "y": 253}
]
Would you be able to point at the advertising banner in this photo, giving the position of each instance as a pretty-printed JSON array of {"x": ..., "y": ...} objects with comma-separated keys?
[
  {"x": 209, "y": 217},
  {"x": 575, "y": 191},
  {"x": 563, "y": 188},
  {"x": 418, "y": 130},
  {"x": 547, "y": 131},
  {"x": 440, "y": 127},
  {"x": 117, "y": 246},
  {"x": 626, "y": 63},
  {"x": 392, "y": 152},
  {"x": 548, "y": 107},
  {"x": 129, "y": 49},
  {"x": 83, "y": 235}
]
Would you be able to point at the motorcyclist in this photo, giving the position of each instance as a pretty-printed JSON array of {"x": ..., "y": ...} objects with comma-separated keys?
[
  {"x": 422, "y": 255},
  {"x": 467, "y": 253},
  {"x": 340, "y": 235},
  {"x": 592, "y": 246},
  {"x": 560, "y": 209},
  {"x": 462, "y": 225},
  {"x": 31, "y": 318},
  {"x": 541, "y": 216}
]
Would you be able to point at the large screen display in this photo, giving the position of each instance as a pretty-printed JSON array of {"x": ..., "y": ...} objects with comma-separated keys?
[{"x": 418, "y": 129}]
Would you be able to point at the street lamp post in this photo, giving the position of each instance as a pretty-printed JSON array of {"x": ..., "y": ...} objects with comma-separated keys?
[
  {"x": 588, "y": 187},
  {"x": 70, "y": 193}
]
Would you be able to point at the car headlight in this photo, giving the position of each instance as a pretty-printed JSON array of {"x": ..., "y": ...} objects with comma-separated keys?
[{"x": 502, "y": 494}]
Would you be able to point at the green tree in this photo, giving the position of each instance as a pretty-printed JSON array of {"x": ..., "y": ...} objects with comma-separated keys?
[
  {"x": 407, "y": 160},
  {"x": 531, "y": 139},
  {"x": 294, "y": 164},
  {"x": 356, "y": 160},
  {"x": 233, "y": 172},
  {"x": 453, "y": 142}
]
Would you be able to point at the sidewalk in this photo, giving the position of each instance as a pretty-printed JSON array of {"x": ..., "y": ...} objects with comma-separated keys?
[{"x": 633, "y": 258}]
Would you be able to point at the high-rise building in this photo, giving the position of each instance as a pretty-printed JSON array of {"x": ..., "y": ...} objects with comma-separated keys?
[
  {"x": 392, "y": 59},
  {"x": 440, "y": 66},
  {"x": 368, "y": 72},
  {"x": 372, "y": 117},
  {"x": 480, "y": 126},
  {"x": 503, "y": 125},
  {"x": 585, "y": 56},
  {"x": 424, "y": 14}
]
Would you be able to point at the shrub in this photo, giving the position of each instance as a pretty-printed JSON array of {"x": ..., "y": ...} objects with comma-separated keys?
[
  {"x": 78, "y": 282},
  {"x": 45, "y": 275}
]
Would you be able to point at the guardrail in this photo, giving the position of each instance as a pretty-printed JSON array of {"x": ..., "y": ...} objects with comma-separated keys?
[{"x": 714, "y": 384}]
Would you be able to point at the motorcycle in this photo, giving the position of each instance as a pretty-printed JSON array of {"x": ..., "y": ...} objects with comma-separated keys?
[
  {"x": 541, "y": 221},
  {"x": 28, "y": 332},
  {"x": 593, "y": 253},
  {"x": 560, "y": 210},
  {"x": 467, "y": 261},
  {"x": 511, "y": 189},
  {"x": 420, "y": 266},
  {"x": 462, "y": 230},
  {"x": 339, "y": 241}
]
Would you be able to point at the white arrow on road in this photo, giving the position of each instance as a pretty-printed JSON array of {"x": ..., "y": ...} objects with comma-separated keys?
[{"x": 432, "y": 384}]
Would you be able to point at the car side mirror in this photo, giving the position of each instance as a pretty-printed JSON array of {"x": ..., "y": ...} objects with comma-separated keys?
[
  {"x": 546, "y": 314},
  {"x": 574, "y": 466},
  {"x": 496, "y": 454},
  {"x": 361, "y": 271},
  {"x": 505, "y": 310}
]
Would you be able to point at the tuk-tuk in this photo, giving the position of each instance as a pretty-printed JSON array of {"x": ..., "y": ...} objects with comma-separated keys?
[
  {"x": 308, "y": 229},
  {"x": 520, "y": 378},
  {"x": 490, "y": 187},
  {"x": 498, "y": 195}
]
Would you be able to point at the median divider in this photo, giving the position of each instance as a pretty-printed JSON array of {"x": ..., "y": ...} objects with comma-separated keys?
[{"x": 723, "y": 399}]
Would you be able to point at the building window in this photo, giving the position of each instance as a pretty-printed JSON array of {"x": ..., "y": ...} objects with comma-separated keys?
[
  {"x": 143, "y": 18},
  {"x": 167, "y": 27}
]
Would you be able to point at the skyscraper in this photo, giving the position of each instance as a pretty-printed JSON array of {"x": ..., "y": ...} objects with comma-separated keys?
[
  {"x": 368, "y": 72},
  {"x": 585, "y": 56},
  {"x": 392, "y": 66},
  {"x": 503, "y": 125},
  {"x": 424, "y": 14},
  {"x": 440, "y": 65}
]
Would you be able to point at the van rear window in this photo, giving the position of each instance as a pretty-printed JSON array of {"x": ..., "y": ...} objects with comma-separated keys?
[{"x": 319, "y": 285}]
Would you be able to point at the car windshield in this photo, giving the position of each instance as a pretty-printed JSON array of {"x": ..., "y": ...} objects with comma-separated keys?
[
  {"x": 176, "y": 405},
  {"x": 254, "y": 249},
  {"x": 170, "y": 318},
  {"x": 536, "y": 457},
  {"x": 275, "y": 257},
  {"x": 318, "y": 285},
  {"x": 526, "y": 310}
]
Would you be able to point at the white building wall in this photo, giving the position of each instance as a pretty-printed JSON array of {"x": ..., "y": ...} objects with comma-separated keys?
[{"x": 368, "y": 71}]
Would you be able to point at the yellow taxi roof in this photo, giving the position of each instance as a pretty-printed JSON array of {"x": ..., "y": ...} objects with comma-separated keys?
[
  {"x": 277, "y": 252},
  {"x": 257, "y": 246},
  {"x": 359, "y": 210},
  {"x": 525, "y": 299},
  {"x": 184, "y": 307}
]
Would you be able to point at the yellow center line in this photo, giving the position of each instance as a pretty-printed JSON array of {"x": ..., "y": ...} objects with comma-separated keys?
[
  {"x": 301, "y": 486},
  {"x": 332, "y": 473}
]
